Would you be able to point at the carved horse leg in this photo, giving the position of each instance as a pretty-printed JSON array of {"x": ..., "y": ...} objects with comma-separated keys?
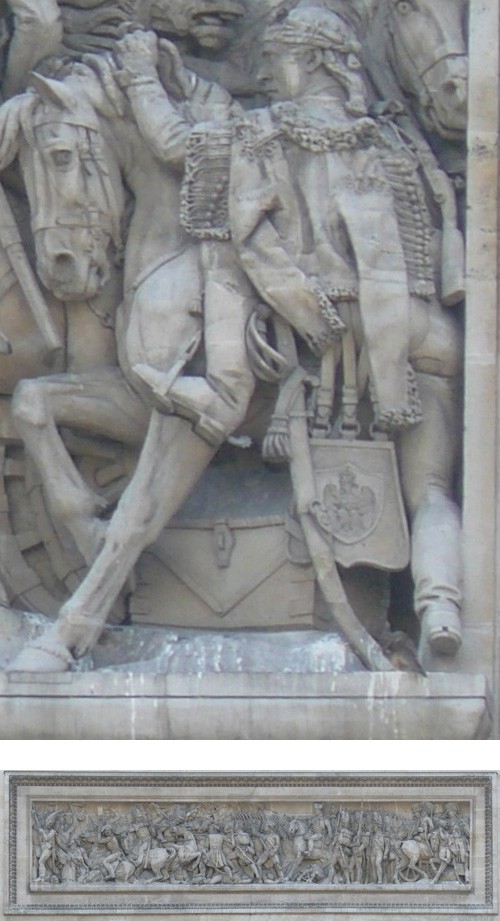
[
  {"x": 411, "y": 853},
  {"x": 415, "y": 869},
  {"x": 172, "y": 460},
  {"x": 300, "y": 847},
  {"x": 160, "y": 863},
  {"x": 98, "y": 402},
  {"x": 442, "y": 867}
]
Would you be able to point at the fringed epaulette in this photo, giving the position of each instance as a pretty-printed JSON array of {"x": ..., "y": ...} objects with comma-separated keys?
[
  {"x": 413, "y": 219},
  {"x": 204, "y": 192},
  {"x": 311, "y": 135},
  {"x": 257, "y": 140}
]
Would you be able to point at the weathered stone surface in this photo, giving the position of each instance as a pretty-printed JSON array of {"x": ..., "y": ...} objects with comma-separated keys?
[
  {"x": 150, "y": 650},
  {"x": 245, "y": 705},
  {"x": 232, "y": 321}
]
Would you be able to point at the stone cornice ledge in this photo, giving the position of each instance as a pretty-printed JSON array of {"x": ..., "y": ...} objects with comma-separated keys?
[{"x": 238, "y": 706}]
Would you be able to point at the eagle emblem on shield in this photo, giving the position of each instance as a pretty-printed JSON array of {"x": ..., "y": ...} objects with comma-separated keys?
[{"x": 350, "y": 505}]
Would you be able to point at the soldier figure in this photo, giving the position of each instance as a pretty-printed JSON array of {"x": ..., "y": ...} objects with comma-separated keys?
[
  {"x": 48, "y": 837},
  {"x": 321, "y": 830},
  {"x": 306, "y": 174},
  {"x": 271, "y": 843}
]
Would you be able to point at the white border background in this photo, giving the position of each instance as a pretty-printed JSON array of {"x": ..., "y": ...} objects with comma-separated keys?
[{"x": 286, "y": 756}]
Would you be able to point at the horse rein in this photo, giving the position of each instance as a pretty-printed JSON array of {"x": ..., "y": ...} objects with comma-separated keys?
[{"x": 447, "y": 50}]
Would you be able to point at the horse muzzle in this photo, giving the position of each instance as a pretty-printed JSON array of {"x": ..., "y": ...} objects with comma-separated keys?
[
  {"x": 447, "y": 85},
  {"x": 71, "y": 273}
]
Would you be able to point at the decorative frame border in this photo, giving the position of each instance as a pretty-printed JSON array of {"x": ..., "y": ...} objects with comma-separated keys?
[{"x": 481, "y": 783}]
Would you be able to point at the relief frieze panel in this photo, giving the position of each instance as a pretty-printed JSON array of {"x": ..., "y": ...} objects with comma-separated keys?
[
  {"x": 106, "y": 845},
  {"x": 200, "y": 844}
]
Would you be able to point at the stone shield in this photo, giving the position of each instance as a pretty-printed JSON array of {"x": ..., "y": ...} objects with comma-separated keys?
[{"x": 359, "y": 503}]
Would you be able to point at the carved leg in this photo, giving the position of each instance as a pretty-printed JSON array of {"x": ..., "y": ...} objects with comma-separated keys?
[
  {"x": 427, "y": 462},
  {"x": 345, "y": 867},
  {"x": 171, "y": 462},
  {"x": 428, "y": 456},
  {"x": 157, "y": 870},
  {"x": 441, "y": 869},
  {"x": 294, "y": 868},
  {"x": 214, "y": 402},
  {"x": 100, "y": 403}
]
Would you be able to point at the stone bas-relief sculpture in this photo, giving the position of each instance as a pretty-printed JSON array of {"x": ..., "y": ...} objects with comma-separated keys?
[
  {"x": 362, "y": 844},
  {"x": 245, "y": 242},
  {"x": 163, "y": 843}
]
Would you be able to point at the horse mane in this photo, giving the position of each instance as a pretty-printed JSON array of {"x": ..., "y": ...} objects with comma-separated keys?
[
  {"x": 372, "y": 36},
  {"x": 110, "y": 100},
  {"x": 16, "y": 115},
  {"x": 103, "y": 66}
]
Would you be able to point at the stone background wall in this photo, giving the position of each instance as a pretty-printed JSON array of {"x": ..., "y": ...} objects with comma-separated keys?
[{"x": 481, "y": 468}]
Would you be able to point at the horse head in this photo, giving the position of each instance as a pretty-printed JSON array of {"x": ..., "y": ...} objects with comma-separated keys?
[
  {"x": 428, "y": 54},
  {"x": 72, "y": 182}
]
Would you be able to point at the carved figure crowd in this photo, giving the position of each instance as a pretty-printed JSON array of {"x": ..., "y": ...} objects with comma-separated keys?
[
  {"x": 223, "y": 845},
  {"x": 317, "y": 210}
]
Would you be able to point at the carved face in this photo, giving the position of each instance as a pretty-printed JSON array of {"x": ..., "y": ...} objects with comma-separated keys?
[
  {"x": 207, "y": 24},
  {"x": 211, "y": 22},
  {"x": 284, "y": 71}
]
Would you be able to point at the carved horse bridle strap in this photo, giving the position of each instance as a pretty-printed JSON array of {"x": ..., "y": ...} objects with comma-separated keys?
[
  {"x": 444, "y": 52},
  {"x": 10, "y": 240},
  {"x": 90, "y": 217}
]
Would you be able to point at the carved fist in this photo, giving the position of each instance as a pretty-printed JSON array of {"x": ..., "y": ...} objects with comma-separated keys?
[{"x": 137, "y": 51}]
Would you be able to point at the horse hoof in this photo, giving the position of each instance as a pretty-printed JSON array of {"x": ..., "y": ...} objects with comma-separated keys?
[{"x": 42, "y": 655}]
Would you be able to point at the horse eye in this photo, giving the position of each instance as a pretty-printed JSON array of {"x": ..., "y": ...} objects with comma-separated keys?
[
  {"x": 62, "y": 157},
  {"x": 403, "y": 7}
]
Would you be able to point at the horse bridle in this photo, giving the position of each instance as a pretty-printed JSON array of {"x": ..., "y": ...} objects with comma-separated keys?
[
  {"x": 425, "y": 95},
  {"x": 90, "y": 217}
]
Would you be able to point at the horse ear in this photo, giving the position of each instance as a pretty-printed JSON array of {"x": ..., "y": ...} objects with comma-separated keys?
[{"x": 53, "y": 91}]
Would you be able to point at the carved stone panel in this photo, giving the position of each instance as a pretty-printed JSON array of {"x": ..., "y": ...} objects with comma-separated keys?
[
  {"x": 200, "y": 844},
  {"x": 235, "y": 315},
  {"x": 149, "y": 844}
]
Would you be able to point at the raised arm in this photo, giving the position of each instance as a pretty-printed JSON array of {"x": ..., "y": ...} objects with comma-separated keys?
[{"x": 158, "y": 119}]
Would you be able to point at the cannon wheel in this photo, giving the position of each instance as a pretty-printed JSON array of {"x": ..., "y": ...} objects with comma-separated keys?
[{"x": 39, "y": 563}]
